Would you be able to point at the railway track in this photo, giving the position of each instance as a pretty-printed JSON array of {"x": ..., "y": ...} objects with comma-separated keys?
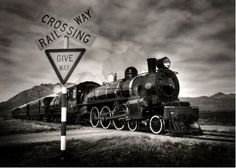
[
  {"x": 207, "y": 135},
  {"x": 214, "y": 136}
]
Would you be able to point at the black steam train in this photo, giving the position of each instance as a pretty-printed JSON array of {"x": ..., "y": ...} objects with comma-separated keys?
[{"x": 150, "y": 99}]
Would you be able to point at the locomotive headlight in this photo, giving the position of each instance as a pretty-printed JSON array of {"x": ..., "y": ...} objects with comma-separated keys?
[
  {"x": 166, "y": 62},
  {"x": 163, "y": 63},
  {"x": 148, "y": 85}
]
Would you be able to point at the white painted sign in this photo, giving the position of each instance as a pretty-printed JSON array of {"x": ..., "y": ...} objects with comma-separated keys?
[
  {"x": 85, "y": 17},
  {"x": 48, "y": 39},
  {"x": 64, "y": 61},
  {"x": 60, "y": 27}
]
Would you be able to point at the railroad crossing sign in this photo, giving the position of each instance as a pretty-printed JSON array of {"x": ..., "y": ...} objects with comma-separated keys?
[
  {"x": 61, "y": 27},
  {"x": 64, "y": 61}
]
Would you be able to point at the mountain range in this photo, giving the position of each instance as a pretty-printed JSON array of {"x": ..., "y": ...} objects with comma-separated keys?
[{"x": 218, "y": 102}]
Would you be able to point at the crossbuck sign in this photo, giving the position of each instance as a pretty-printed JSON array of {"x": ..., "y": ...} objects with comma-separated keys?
[{"x": 61, "y": 27}]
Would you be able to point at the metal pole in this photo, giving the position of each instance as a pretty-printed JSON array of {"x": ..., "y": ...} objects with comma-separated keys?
[
  {"x": 63, "y": 109},
  {"x": 66, "y": 42}
]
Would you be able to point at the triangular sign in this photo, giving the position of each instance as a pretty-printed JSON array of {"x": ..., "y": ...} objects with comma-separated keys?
[{"x": 64, "y": 61}]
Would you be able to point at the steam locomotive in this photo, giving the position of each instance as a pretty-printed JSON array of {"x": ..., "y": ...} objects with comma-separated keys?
[{"x": 149, "y": 99}]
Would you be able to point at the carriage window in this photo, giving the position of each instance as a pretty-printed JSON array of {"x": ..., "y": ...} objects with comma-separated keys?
[
  {"x": 42, "y": 105},
  {"x": 69, "y": 94},
  {"x": 74, "y": 94}
]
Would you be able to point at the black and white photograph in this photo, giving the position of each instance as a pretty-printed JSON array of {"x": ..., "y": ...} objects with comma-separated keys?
[{"x": 117, "y": 83}]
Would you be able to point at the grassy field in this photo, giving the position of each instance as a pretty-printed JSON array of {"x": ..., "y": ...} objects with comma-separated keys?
[
  {"x": 16, "y": 126},
  {"x": 138, "y": 150},
  {"x": 121, "y": 151},
  {"x": 218, "y": 128}
]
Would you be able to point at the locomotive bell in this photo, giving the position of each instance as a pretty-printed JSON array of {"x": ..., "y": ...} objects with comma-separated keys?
[{"x": 130, "y": 72}]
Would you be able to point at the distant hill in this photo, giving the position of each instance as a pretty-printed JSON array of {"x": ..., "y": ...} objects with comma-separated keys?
[
  {"x": 218, "y": 102},
  {"x": 28, "y": 95}
]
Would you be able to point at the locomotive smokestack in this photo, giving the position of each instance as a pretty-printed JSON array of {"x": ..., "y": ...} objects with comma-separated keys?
[{"x": 151, "y": 65}]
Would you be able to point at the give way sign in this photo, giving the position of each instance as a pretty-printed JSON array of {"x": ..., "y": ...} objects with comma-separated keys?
[{"x": 64, "y": 61}]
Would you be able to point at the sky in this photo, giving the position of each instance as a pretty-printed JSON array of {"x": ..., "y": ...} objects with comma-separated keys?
[{"x": 198, "y": 36}]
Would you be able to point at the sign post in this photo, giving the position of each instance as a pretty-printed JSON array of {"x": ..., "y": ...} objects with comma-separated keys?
[
  {"x": 64, "y": 109},
  {"x": 65, "y": 60},
  {"x": 63, "y": 120}
]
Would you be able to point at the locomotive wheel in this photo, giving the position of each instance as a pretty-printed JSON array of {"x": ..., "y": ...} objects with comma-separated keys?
[
  {"x": 132, "y": 125},
  {"x": 94, "y": 117},
  {"x": 105, "y": 112},
  {"x": 157, "y": 125},
  {"x": 118, "y": 123}
]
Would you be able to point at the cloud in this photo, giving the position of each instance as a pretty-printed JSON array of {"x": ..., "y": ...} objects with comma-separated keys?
[{"x": 197, "y": 35}]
